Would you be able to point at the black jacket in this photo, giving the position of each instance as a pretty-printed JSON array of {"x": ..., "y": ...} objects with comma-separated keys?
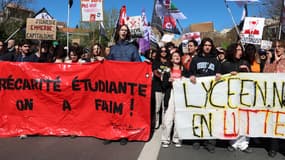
[{"x": 228, "y": 66}]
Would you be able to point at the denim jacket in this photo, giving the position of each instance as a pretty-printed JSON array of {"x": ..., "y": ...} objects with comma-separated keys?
[{"x": 124, "y": 51}]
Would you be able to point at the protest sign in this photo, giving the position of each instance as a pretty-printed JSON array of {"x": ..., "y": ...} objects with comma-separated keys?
[
  {"x": 252, "y": 30},
  {"x": 91, "y": 10},
  {"x": 42, "y": 29}
]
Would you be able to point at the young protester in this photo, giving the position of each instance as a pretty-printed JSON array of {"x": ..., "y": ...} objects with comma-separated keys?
[
  {"x": 251, "y": 55},
  {"x": 86, "y": 56},
  {"x": 96, "y": 52},
  {"x": 278, "y": 66},
  {"x": 233, "y": 65},
  {"x": 160, "y": 66},
  {"x": 234, "y": 62},
  {"x": 205, "y": 64},
  {"x": 192, "y": 51},
  {"x": 10, "y": 52},
  {"x": 25, "y": 54},
  {"x": 59, "y": 53},
  {"x": 74, "y": 55},
  {"x": 123, "y": 50},
  {"x": 176, "y": 70}
]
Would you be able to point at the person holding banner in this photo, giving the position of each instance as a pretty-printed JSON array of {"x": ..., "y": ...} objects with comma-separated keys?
[
  {"x": 233, "y": 65},
  {"x": 124, "y": 50},
  {"x": 74, "y": 54},
  {"x": 278, "y": 66},
  {"x": 96, "y": 52},
  {"x": 205, "y": 64},
  {"x": 234, "y": 62},
  {"x": 176, "y": 69}
]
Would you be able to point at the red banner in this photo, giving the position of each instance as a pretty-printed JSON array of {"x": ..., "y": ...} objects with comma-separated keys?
[{"x": 109, "y": 100}]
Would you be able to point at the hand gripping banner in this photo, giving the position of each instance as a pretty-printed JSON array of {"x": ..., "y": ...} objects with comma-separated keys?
[{"x": 109, "y": 100}]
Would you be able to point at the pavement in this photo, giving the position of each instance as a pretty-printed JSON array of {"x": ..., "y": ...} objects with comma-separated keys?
[{"x": 90, "y": 148}]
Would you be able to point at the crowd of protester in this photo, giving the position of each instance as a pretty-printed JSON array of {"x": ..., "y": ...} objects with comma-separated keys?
[
  {"x": 169, "y": 62},
  {"x": 207, "y": 60}
]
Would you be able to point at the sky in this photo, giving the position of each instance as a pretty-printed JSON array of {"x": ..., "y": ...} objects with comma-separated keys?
[{"x": 196, "y": 11}]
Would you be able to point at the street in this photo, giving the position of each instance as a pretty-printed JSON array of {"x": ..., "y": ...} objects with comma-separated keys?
[{"x": 89, "y": 148}]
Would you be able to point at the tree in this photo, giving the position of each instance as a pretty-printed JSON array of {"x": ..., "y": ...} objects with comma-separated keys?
[
  {"x": 13, "y": 14},
  {"x": 272, "y": 8}
]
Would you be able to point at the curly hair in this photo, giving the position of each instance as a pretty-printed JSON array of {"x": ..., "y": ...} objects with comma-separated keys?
[
  {"x": 204, "y": 40},
  {"x": 231, "y": 52}
]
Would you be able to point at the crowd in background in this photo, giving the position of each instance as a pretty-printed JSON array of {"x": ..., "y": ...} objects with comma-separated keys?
[{"x": 169, "y": 62}]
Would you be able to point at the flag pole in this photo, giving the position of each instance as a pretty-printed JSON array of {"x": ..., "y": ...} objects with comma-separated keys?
[
  {"x": 180, "y": 26},
  {"x": 281, "y": 20},
  {"x": 67, "y": 33},
  {"x": 12, "y": 35},
  {"x": 99, "y": 32},
  {"x": 230, "y": 12}
]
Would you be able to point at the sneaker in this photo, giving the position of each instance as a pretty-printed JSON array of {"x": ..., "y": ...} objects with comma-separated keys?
[
  {"x": 231, "y": 149},
  {"x": 178, "y": 144},
  {"x": 272, "y": 153},
  {"x": 247, "y": 150},
  {"x": 123, "y": 141},
  {"x": 23, "y": 136},
  {"x": 165, "y": 144},
  {"x": 210, "y": 148},
  {"x": 196, "y": 146}
]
